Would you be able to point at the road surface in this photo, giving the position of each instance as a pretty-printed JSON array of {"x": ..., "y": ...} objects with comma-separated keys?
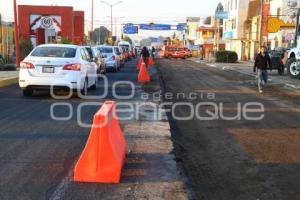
[{"x": 233, "y": 159}]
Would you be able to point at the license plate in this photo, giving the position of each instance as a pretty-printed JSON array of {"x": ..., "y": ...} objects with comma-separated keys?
[{"x": 48, "y": 69}]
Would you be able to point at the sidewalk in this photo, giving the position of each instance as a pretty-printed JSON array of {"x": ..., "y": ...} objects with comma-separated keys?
[
  {"x": 246, "y": 68},
  {"x": 8, "y": 78}
]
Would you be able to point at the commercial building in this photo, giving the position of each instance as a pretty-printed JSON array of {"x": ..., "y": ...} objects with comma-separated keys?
[
  {"x": 252, "y": 31},
  {"x": 284, "y": 37},
  {"x": 234, "y": 26},
  {"x": 50, "y": 24},
  {"x": 7, "y": 40},
  {"x": 208, "y": 38}
]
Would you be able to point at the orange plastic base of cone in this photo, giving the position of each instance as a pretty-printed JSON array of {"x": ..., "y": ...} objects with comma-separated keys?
[
  {"x": 150, "y": 61},
  {"x": 143, "y": 76},
  {"x": 103, "y": 157},
  {"x": 139, "y": 63}
]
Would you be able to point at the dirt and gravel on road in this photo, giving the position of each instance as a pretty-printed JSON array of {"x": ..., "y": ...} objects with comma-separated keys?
[{"x": 237, "y": 158}]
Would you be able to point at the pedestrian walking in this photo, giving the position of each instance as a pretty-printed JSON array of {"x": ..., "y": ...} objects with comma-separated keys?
[
  {"x": 145, "y": 55},
  {"x": 153, "y": 51},
  {"x": 261, "y": 63}
]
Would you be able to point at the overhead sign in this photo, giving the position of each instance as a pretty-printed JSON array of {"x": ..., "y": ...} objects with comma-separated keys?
[
  {"x": 275, "y": 24},
  {"x": 181, "y": 27},
  {"x": 155, "y": 27},
  {"x": 221, "y": 15},
  {"x": 130, "y": 29}
]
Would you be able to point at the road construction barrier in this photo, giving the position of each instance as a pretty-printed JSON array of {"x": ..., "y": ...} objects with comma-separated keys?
[
  {"x": 150, "y": 61},
  {"x": 139, "y": 63},
  {"x": 143, "y": 76},
  {"x": 103, "y": 157}
]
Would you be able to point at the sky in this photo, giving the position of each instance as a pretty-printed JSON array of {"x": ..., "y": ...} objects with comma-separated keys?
[{"x": 129, "y": 11}]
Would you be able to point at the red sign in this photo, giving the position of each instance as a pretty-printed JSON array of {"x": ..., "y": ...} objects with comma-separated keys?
[{"x": 265, "y": 16}]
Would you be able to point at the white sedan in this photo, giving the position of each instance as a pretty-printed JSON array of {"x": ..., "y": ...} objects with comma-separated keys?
[{"x": 56, "y": 66}]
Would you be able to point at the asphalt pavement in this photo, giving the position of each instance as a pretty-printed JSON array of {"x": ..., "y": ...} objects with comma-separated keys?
[
  {"x": 233, "y": 158},
  {"x": 38, "y": 154}
]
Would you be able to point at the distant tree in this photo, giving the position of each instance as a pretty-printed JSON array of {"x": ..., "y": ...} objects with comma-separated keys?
[
  {"x": 128, "y": 39},
  {"x": 207, "y": 20},
  {"x": 25, "y": 47},
  {"x": 101, "y": 32}
]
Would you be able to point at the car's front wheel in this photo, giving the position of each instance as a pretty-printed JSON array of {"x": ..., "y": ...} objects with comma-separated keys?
[
  {"x": 27, "y": 92},
  {"x": 293, "y": 68}
]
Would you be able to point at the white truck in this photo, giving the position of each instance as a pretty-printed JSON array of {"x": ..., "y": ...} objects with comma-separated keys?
[{"x": 293, "y": 63}]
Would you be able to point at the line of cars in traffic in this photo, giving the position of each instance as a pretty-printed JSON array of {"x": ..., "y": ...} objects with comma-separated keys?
[{"x": 70, "y": 67}]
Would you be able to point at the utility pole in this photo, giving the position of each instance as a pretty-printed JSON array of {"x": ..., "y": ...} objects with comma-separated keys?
[
  {"x": 17, "y": 45},
  {"x": 297, "y": 28},
  {"x": 111, "y": 14},
  {"x": 92, "y": 20}
]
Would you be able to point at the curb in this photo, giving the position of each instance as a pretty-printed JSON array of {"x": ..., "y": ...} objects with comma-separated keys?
[{"x": 8, "y": 81}]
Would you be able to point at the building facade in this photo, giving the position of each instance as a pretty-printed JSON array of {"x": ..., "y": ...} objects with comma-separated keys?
[
  {"x": 50, "y": 24},
  {"x": 208, "y": 39},
  {"x": 7, "y": 47},
  {"x": 284, "y": 37},
  {"x": 234, "y": 26}
]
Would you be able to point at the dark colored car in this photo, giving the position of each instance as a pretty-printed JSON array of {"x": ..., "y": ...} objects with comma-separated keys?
[{"x": 277, "y": 57}]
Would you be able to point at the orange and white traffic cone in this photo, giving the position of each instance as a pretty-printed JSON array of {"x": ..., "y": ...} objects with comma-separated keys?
[{"x": 143, "y": 76}]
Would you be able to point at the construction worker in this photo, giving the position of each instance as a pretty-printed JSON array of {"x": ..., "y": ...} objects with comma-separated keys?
[{"x": 261, "y": 63}]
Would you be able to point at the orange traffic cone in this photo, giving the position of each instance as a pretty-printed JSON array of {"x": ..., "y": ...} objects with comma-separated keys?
[
  {"x": 143, "y": 76},
  {"x": 150, "y": 61},
  {"x": 139, "y": 63},
  {"x": 103, "y": 157}
]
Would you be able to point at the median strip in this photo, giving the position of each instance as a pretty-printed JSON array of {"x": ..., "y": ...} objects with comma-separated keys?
[{"x": 8, "y": 81}]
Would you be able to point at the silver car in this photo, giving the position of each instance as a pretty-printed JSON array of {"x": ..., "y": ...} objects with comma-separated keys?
[{"x": 112, "y": 59}]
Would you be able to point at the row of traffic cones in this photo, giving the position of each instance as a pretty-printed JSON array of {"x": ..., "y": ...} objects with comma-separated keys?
[{"x": 144, "y": 76}]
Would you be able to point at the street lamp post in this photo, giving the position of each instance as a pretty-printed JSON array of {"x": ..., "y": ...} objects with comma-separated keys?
[{"x": 111, "y": 13}]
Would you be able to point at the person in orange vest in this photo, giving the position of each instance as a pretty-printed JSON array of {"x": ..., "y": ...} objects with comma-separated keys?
[{"x": 145, "y": 55}]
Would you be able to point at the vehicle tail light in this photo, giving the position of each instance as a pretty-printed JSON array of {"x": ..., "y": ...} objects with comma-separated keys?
[
  {"x": 26, "y": 65},
  {"x": 72, "y": 67}
]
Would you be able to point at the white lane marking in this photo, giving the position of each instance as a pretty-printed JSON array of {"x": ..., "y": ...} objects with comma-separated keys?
[
  {"x": 291, "y": 86},
  {"x": 63, "y": 186},
  {"x": 211, "y": 65}
]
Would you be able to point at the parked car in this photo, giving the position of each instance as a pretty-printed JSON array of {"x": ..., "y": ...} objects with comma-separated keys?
[
  {"x": 125, "y": 53},
  {"x": 112, "y": 59},
  {"x": 293, "y": 64},
  {"x": 128, "y": 47},
  {"x": 61, "y": 67},
  {"x": 188, "y": 52},
  {"x": 97, "y": 58},
  {"x": 179, "y": 53},
  {"x": 168, "y": 51},
  {"x": 101, "y": 59},
  {"x": 277, "y": 57},
  {"x": 118, "y": 51}
]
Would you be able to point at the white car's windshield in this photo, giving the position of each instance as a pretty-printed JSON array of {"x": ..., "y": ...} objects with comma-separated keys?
[
  {"x": 106, "y": 50},
  {"x": 57, "y": 52}
]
